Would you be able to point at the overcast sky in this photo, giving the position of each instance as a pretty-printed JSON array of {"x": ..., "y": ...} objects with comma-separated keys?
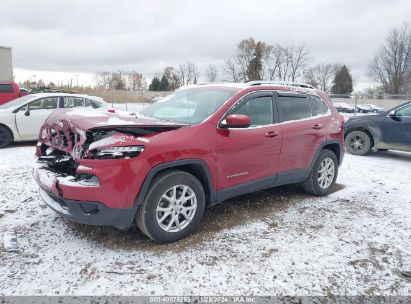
[{"x": 55, "y": 39}]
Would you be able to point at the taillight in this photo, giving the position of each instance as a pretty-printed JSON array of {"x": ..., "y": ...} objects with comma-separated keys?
[{"x": 111, "y": 110}]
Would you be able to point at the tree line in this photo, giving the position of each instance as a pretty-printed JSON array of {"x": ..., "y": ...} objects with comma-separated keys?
[{"x": 258, "y": 60}]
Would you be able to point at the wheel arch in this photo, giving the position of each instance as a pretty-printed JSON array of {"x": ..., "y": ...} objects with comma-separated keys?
[
  {"x": 195, "y": 167},
  {"x": 363, "y": 129},
  {"x": 8, "y": 129}
]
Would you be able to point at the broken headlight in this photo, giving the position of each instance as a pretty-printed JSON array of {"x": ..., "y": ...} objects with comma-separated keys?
[{"x": 118, "y": 152}]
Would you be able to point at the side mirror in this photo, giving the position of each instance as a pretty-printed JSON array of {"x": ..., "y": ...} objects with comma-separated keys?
[
  {"x": 27, "y": 112},
  {"x": 393, "y": 114},
  {"x": 236, "y": 121}
]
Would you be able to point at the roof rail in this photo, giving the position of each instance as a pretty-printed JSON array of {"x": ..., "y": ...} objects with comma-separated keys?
[{"x": 281, "y": 83}]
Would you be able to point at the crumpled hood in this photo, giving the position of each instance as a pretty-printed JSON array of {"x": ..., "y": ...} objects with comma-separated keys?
[{"x": 90, "y": 119}]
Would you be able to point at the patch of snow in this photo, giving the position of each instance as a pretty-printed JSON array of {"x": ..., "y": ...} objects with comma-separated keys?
[
  {"x": 108, "y": 141},
  {"x": 280, "y": 241},
  {"x": 85, "y": 113}
]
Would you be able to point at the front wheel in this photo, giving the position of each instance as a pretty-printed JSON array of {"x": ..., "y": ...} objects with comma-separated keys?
[
  {"x": 5, "y": 137},
  {"x": 358, "y": 143},
  {"x": 323, "y": 175},
  {"x": 173, "y": 207}
]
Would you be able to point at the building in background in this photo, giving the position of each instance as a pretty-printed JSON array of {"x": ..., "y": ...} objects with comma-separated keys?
[{"x": 6, "y": 64}]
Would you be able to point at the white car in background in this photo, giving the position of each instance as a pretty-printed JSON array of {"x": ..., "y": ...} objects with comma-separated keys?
[
  {"x": 373, "y": 108},
  {"x": 21, "y": 118}
]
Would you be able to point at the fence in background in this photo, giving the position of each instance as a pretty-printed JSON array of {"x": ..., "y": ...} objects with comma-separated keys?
[
  {"x": 387, "y": 101},
  {"x": 120, "y": 96}
]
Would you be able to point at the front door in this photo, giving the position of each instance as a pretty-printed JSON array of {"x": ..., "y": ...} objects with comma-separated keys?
[
  {"x": 249, "y": 154},
  {"x": 31, "y": 117},
  {"x": 396, "y": 132}
]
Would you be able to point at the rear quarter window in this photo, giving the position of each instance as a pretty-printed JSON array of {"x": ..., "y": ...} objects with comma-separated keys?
[
  {"x": 318, "y": 107},
  {"x": 6, "y": 88}
]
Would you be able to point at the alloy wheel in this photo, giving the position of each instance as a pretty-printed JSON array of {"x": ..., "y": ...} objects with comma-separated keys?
[
  {"x": 326, "y": 173},
  {"x": 176, "y": 208}
]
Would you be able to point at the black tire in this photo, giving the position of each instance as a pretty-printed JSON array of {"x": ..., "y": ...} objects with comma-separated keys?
[
  {"x": 358, "y": 143},
  {"x": 312, "y": 182},
  {"x": 147, "y": 215},
  {"x": 5, "y": 137}
]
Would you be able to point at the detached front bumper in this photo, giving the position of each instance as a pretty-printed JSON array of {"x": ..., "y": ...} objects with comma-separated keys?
[{"x": 80, "y": 211}]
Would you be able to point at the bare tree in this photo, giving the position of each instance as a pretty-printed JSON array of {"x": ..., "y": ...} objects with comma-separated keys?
[
  {"x": 192, "y": 73},
  {"x": 391, "y": 67},
  {"x": 231, "y": 70},
  {"x": 102, "y": 80},
  {"x": 320, "y": 75},
  {"x": 212, "y": 73},
  {"x": 182, "y": 73},
  {"x": 274, "y": 62},
  {"x": 298, "y": 58},
  {"x": 136, "y": 81}
]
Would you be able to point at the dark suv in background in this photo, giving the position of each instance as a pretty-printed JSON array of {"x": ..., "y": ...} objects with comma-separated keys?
[
  {"x": 383, "y": 131},
  {"x": 195, "y": 148}
]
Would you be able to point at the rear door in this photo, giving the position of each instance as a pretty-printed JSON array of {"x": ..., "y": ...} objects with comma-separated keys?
[
  {"x": 396, "y": 131},
  {"x": 250, "y": 154},
  {"x": 305, "y": 123},
  {"x": 30, "y": 118}
]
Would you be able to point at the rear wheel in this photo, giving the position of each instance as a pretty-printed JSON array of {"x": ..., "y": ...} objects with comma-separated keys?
[
  {"x": 358, "y": 143},
  {"x": 323, "y": 175},
  {"x": 173, "y": 207},
  {"x": 5, "y": 137}
]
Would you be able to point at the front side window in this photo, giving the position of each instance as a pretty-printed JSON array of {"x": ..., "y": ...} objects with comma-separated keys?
[
  {"x": 73, "y": 102},
  {"x": 404, "y": 111},
  {"x": 47, "y": 103},
  {"x": 190, "y": 106},
  {"x": 259, "y": 109},
  {"x": 293, "y": 108}
]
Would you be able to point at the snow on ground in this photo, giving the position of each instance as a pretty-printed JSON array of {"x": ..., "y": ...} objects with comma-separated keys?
[{"x": 274, "y": 242}]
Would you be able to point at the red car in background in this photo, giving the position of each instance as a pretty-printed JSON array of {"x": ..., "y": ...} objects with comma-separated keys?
[
  {"x": 195, "y": 148},
  {"x": 10, "y": 91}
]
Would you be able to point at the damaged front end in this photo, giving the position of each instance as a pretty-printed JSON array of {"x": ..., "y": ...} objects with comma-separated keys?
[{"x": 93, "y": 175}]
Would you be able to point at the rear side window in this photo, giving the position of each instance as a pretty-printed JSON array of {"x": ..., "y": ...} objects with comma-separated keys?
[
  {"x": 6, "y": 88},
  {"x": 318, "y": 107},
  {"x": 73, "y": 102},
  {"x": 293, "y": 108}
]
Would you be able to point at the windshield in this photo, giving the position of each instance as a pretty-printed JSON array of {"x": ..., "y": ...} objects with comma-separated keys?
[
  {"x": 16, "y": 102},
  {"x": 189, "y": 106}
]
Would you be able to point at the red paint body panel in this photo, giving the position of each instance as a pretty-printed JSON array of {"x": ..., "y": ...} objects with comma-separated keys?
[
  {"x": 9, "y": 96},
  {"x": 233, "y": 156}
]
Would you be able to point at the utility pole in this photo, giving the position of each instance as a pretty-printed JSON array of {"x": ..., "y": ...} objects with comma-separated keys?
[{"x": 76, "y": 75}]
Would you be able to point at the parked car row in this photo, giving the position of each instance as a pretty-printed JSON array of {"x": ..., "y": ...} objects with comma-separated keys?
[{"x": 344, "y": 107}]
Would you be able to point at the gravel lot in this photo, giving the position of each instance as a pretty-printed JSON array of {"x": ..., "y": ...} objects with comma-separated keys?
[{"x": 274, "y": 242}]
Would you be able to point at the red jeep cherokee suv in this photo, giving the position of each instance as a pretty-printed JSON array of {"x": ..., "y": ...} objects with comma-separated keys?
[{"x": 192, "y": 149}]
